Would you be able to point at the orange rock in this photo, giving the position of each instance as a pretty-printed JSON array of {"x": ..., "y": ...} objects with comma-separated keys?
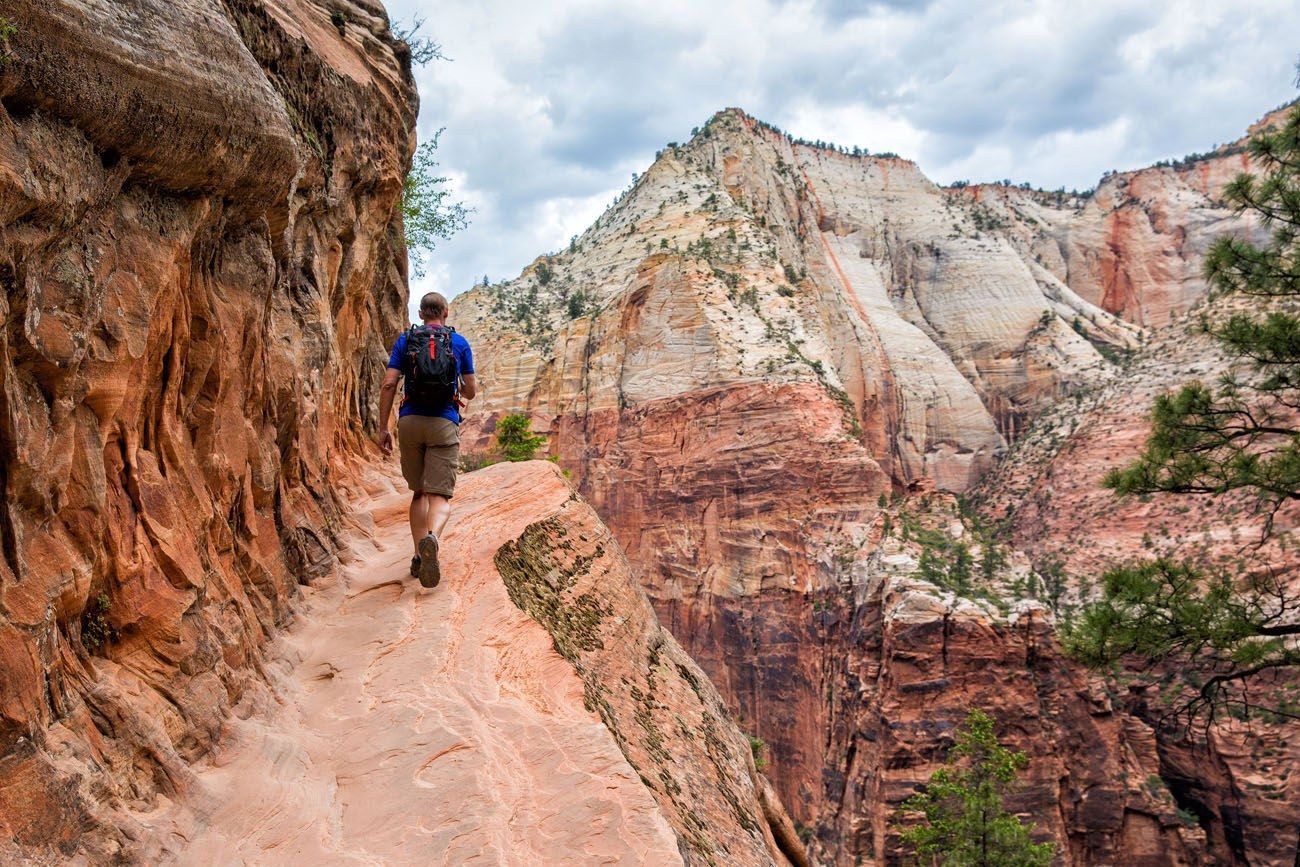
[
  {"x": 455, "y": 725},
  {"x": 199, "y": 274}
]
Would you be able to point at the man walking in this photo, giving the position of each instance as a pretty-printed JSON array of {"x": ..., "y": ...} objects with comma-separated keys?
[{"x": 438, "y": 369}]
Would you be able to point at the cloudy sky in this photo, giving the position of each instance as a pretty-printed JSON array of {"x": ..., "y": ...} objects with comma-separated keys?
[{"x": 551, "y": 105}]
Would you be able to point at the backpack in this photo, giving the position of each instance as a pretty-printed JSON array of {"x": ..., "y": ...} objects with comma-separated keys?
[{"x": 429, "y": 365}]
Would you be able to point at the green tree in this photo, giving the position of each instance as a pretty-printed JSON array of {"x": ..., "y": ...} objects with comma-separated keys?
[
  {"x": 1162, "y": 609},
  {"x": 515, "y": 438},
  {"x": 1239, "y": 436},
  {"x": 428, "y": 212},
  {"x": 965, "y": 824}
]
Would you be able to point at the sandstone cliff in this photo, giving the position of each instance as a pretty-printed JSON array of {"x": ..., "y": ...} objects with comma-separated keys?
[
  {"x": 1134, "y": 245},
  {"x": 199, "y": 253},
  {"x": 743, "y": 261},
  {"x": 1047, "y": 496},
  {"x": 747, "y": 356},
  {"x": 404, "y": 725}
]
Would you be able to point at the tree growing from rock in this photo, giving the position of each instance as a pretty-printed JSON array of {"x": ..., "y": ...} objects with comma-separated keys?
[
  {"x": 965, "y": 823},
  {"x": 515, "y": 438},
  {"x": 429, "y": 214},
  {"x": 423, "y": 50},
  {"x": 1241, "y": 436}
]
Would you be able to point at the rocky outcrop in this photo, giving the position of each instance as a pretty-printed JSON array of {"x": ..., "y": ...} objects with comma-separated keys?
[
  {"x": 568, "y": 573},
  {"x": 1134, "y": 246},
  {"x": 199, "y": 251},
  {"x": 452, "y": 725},
  {"x": 859, "y": 687},
  {"x": 922, "y": 658}
]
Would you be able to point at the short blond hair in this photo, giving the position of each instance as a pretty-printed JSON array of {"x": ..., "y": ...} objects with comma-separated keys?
[{"x": 433, "y": 306}]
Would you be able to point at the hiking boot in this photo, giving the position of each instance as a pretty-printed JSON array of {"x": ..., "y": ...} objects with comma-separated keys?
[
  {"x": 415, "y": 565},
  {"x": 429, "y": 573}
]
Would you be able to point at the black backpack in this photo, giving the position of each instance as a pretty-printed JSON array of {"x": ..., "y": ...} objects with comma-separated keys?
[{"x": 429, "y": 365}]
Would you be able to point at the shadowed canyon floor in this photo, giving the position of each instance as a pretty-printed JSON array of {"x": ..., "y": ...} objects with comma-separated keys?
[{"x": 422, "y": 726}]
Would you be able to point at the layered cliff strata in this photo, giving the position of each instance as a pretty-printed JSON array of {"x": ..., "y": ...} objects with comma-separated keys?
[
  {"x": 743, "y": 258},
  {"x": 742, "y": 362},
  {"x": 199, "y": 252},
  {"x": 1134, "y": 245}
]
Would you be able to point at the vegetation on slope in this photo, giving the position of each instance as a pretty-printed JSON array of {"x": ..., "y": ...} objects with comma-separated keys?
[{"x": 1238, "y": 628}]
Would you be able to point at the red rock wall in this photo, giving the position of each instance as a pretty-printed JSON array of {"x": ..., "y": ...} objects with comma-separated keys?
[
  {"x": 200, "y": 258},
  {"x": 858, "y": 693},
  {"x": 1239, "y": 778}
]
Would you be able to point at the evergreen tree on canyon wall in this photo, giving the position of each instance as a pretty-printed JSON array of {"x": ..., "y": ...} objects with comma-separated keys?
[
  {"x": 1241, "y": 437},
  {"x": 965, "y": 823}
]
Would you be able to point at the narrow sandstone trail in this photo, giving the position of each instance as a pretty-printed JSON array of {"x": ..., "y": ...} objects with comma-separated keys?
[{"x": 419, "y": 726}]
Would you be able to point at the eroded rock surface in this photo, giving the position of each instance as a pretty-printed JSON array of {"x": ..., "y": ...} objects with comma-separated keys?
[
  {"x": 201, "y": 257},
  {"x": 529, "y": 710}
]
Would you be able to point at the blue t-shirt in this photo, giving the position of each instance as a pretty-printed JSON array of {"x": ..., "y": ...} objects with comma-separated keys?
[{"x": 464, "y": 367}]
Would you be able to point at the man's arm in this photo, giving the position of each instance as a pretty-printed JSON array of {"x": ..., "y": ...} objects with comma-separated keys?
[
  {"x": 468, "y": 386},
  {"x": 387, "y": 392}
]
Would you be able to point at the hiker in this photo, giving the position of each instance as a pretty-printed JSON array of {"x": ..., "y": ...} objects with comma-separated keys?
[{"x": 438, "y": 369}]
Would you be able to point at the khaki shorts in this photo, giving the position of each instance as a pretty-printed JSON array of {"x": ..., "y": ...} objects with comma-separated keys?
[{"x": 430, "y": 449}]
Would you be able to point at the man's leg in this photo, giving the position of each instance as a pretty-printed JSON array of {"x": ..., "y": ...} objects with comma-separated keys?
[
  {"x": 421, "y": 519},
  {"x": 426, "y": 538},
  {"x": 439, "y": 511},
  {"x": 440, "y": 455},
  {"x": 411, "y": 435}
]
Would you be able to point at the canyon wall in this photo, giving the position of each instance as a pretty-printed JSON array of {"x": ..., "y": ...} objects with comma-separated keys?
[
  {"x": 200, "y": 256},
  {"x": 1047, "y": 496},
  {"x": 1134, "y": 245},
  {"x": 749, "y": 359}
]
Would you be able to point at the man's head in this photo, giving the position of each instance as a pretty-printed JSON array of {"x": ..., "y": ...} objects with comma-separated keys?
[{"x": 433, "y": 307}]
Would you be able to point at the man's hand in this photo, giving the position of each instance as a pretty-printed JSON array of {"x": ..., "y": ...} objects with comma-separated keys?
[{"x": 386, "y": 394}]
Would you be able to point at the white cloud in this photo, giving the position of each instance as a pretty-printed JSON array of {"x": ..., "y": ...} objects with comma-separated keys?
[
  {"x": 859, "y": 125},
  {"x": 550, "y": 107}
]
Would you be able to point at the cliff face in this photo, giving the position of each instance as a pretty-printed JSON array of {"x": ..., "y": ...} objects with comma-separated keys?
[
  {"x": 755, "y": 347},
  {"x": 1048, "y": 496},
  {"x": 743, "y": 261},
  {"x": 199, "y": 254},
  {"x": 759, "y": 340},
  {"x": 1135, "y": 245}
]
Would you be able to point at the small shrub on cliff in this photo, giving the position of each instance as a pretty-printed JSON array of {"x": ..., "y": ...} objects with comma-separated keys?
[
  {"x": 8, "y": 30},
  {"x": 428, "y": 213},
  {"x": 515, "y": 438},
  {"x": 579, "y": 304},
  {"x": 423, "y": 50},
  {"x": 96, "y": 631},
  {"x": 964, "y": 823},
  {"x": 471, "y": 461},
  {"x": 759, "y": 748}
]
